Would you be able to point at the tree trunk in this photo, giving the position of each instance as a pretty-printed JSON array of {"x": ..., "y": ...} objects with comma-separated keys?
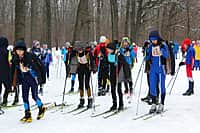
[
  {"x": 47, "y": 22},
  {"x": 35, "y": 34},
  {"x": 20, "y": 19},
  {"x": 133, "y": 14},
  {"x": 126, "y": 27},
  {"x": 81, "y": 28},
  {"x": 98, "y": 19},
  {"x": 114, "y": 20},
  {"x": 188, "y": 18}
]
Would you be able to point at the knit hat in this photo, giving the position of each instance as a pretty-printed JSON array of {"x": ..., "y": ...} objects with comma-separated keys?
[
  {"x": 20, "y": 45},
  {"x": 154, "y": 35},
  {"x": 102, "y": 39},
  {"x": 187, "y": 41},
  {"x": 111, "y": 46}
]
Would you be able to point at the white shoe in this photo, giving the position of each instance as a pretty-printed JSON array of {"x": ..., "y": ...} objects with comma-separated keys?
[{"x": 160, "y": 108}]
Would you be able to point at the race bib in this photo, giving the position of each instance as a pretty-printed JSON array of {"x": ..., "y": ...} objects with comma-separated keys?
[
  {"x": 156, "y": 51},
  {"x": 82, "y": 60}
]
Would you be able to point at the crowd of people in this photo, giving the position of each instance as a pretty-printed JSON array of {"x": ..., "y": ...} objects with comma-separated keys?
[{"x": 113, "y": 62}]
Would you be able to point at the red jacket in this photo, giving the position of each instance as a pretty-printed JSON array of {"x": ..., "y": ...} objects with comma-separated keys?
[{"x": 97, "y": 51}]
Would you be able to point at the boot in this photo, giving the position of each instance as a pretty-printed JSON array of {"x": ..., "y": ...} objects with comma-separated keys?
[
  {"x": 114, "y": 107},
  {"x": 153, "y": 108},
  {"x": 4, "y": 103},
  {"x": 145, "y": 99},
  {"x": 27, "y": 117},
  {"x": 121, "y": 107},
  {"x": 41, "y": 91},
  {"x": 72, "y": 86},
  {"x": 90, "y": 102},
  {"x": 41, "y": 112},
  {"x": 15, "y": 101},
  {"x": 160, "y": 108},
  {"x": 190, "y": 91},
  {"x": 81, "y": 104}
]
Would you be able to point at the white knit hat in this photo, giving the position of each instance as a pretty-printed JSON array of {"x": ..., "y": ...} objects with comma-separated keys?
[{"x": 102, "y": 39}]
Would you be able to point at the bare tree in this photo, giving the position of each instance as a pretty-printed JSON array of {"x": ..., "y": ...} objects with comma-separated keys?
[
  {"x": 20, "y": 19},
  {"x": 114, "y": 20}
]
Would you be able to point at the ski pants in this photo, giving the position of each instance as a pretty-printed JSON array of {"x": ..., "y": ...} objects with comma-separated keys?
[
  {"x": 29, "y": 82},
  {"x": 84, "y": 77},
  {"x": 47, "y": 69},
  {"x": 102, "y": 78},
  {"x": 157, "y": 78},
  {"x": 113, "y": 83},
  {"x": 7, "y": 89}
]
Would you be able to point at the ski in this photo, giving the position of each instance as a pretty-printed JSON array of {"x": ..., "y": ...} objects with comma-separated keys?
[
  {"x": 84, "y": 110},
  {"x": 100, "y": 114},
  {"x": 114, "y": 113},
  {"x": 141, "y": 116},
  {"x": 11, "y": 106},
  {"x": 1, "y": 112},
  {"x": 73, "y": 110},
  {"x": 61, "y": 107},
  {"x": 34, "y": 107},
  {"x": 153, "y": 115}
]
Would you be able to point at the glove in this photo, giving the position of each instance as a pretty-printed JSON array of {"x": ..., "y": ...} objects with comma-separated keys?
[
  {"x": 181, "y": 63},
  {"x": 162, "y": 46}
]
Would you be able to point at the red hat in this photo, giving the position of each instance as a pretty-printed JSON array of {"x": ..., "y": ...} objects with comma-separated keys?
[{"x": 187, "y": 41}]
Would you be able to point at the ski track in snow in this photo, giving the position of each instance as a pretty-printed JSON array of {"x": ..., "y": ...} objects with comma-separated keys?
[{"x": 182, "y": 116}]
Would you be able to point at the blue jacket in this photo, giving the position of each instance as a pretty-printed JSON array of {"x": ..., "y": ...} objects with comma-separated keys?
[
  {"x": 190, "y": 54},
  {"x": 156, "y": 64},
  {"x": 46, "y": 56},
  {"x": 129, "y": 58},
  {"x": 64, "y": 53},
  {"x": 176, "y": 47}
]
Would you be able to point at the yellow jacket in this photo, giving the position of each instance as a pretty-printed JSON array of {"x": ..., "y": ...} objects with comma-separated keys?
[{"x": 197, "y": 52}]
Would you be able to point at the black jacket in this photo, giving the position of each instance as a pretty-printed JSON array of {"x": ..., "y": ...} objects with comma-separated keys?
[
  {"x": 4, "y": 64},
  {"x": 31, "y": 61}
]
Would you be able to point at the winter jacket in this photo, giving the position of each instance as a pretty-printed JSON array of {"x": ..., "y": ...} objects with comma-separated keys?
[
  {"x": 190, "y": 56},
  {"x": 128, "y": 54},
  {"x": 46, "y": 56},
  {"x": 100, "y": 51},
  {"x": 4, "y": 64},
  {"x": 157, "y": 62},
  {"x": 36, "y": 67},
  {"x": 197, "y": 52}
]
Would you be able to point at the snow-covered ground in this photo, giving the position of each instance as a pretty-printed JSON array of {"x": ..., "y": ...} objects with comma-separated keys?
[{"x": 182, "y": 116}]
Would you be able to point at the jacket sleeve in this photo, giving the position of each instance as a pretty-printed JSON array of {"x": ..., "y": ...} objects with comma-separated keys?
[{"x": 164, "y": 51}]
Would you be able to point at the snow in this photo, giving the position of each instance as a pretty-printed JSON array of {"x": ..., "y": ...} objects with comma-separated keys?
[{"x": 182, "y": 116}]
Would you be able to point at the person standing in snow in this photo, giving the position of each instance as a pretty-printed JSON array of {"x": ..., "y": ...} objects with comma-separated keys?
[
  {"x": 197, "y": 55},
  {"x": 128, "y": 52},
  {"x": 5, "y": 78},
  {"x": 86, "y": 65},
  {"x": 68, "y": 55},
  {"x": 29, "y": 73},
  {"x": 101, "y": 54},
  {"x": 189, "y": 62},
  {"x": 157, "y": 54}
]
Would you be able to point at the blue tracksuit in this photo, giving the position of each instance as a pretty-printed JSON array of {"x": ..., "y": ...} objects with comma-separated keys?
[{"x": 157, "y": 69}]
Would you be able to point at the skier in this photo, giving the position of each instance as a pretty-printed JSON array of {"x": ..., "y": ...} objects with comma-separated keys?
[
  {"x": 148, "y": 98},
  {"x": 86, "y": 65},
  {"x": 46, "y": 58},
  {"x": 189, "y": 62},
  {"x": 100, "y": 54},
  {"x": 112, "y": 59},
  {"x": 66, "y": 55},
  {"x": 29, "y": 73},
  {"x": 5, "y": 78},
  {"x": 197, "y": 55},
  {"x": 128, "y": 52},
  {"x": 37, "y": 50},
  {"x": 157, "y": 54}
]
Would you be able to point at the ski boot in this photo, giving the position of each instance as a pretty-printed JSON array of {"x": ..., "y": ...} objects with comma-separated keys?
[
  {"x": 114, "y": 107},
  {"x": 190, "y": 91},
  {"x": 81, "y": 104},
  {"x": 160, "y": 108},
  {"x": 41, "y": 91},
  {"x": 152, "y": 109},
  {"x": 4, "y": 103},
  {"x": 90, "y": 102},
  {"x": 27, "y": 118},
  {"x": 41, "y": 112},
  {"x": 121, "y": 107}
]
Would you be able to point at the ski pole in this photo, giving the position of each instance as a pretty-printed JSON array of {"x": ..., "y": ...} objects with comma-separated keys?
[
  {"x": 139, "y": 92},
  {"x": 138, "y": 74},
  {"x": 93, "y": 93},
  {"x": 174, "y": 81}
]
